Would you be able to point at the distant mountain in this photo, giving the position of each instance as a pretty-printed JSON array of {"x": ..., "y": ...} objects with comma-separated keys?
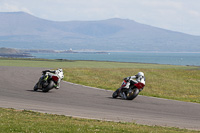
[{"x": 22, "y": 30}]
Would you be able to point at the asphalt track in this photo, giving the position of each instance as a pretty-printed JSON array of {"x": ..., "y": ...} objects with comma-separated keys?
[{"x": 16, "y": 91}]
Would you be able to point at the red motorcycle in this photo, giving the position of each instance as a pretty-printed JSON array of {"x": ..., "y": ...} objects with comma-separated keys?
[{"x": 131, "y": 92}]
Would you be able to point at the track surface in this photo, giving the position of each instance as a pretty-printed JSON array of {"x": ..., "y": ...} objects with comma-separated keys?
[{"x": 16, "y": 84}]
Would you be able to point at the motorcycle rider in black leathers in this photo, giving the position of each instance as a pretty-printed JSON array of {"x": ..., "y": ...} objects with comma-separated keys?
[{"x": 58, "y": 72}]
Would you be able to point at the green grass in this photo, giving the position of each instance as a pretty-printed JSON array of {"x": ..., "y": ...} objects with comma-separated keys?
[{"x": 32, "y": 122}]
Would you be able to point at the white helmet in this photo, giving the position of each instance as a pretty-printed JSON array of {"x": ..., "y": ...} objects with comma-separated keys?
[
  {"x": 60, "y": 70},
  {"x": 140, "y": 74}
]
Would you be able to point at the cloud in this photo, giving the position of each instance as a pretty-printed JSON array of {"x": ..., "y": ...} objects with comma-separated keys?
[
  {"x": 161, "y": 4},
  {"x": 9, "y": 7},
  {"x": 194, "y": 13}
]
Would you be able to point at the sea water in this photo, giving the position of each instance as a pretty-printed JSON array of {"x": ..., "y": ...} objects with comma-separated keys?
[{"x": 192, "y": 59}]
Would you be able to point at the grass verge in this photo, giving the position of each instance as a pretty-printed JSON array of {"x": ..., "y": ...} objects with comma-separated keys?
[{"x": 32, "y": 122}]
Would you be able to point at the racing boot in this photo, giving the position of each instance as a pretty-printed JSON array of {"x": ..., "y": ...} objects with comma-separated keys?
[
  {"x": 56, "y": 86},
  {"x": 123, "y": 95}
]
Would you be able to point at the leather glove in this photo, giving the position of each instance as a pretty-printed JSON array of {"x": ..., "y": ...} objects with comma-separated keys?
[{"x": 127, "y": 79}]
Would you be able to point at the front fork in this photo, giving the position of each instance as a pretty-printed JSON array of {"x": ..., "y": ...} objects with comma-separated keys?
[
  {"x": 125, "y": 85},
  {"x": 42, "y": 79}
]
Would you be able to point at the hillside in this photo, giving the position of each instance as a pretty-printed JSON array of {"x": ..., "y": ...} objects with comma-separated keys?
[
  {"x": 10, "y": 52},
  {"x": 22, "y": 30}
]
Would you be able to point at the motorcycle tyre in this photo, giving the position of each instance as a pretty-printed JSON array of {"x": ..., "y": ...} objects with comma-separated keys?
[
  {"x": 49, "y": 87},
  {"x": 115, "y": 94},
  {"x": 134, "y": 95},
  {"x": 35, "y": 87}
]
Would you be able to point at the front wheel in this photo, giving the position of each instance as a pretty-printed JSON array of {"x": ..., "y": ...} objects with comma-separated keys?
[
  {"x": 49, "y": 86},
  {"x": 35, "y": 87},
  {"x": 115, "y": 94},
  {"x": 131, "y": 94}
]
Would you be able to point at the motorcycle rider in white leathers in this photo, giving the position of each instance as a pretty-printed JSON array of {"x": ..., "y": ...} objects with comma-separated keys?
[
  {"x": 138, "y": 78},
  {"x": 58, "y": 72}
]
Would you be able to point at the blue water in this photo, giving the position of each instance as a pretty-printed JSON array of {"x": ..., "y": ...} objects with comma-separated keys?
[{"x": 158, "y": 58}]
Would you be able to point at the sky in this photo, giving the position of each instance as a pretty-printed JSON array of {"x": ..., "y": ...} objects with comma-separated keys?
[{"x": 177, "y": 15}]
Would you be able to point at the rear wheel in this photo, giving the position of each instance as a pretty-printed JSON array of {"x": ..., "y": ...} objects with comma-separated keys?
[
  {"x": 131, "y": 94},
  {"x": 48, "y": 87}
]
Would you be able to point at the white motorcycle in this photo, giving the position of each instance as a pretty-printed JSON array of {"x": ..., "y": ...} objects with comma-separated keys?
[{"x": 49, "y": 80}]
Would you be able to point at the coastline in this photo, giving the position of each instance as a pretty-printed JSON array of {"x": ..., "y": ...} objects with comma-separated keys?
[{"x": 17, "y": 55}]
